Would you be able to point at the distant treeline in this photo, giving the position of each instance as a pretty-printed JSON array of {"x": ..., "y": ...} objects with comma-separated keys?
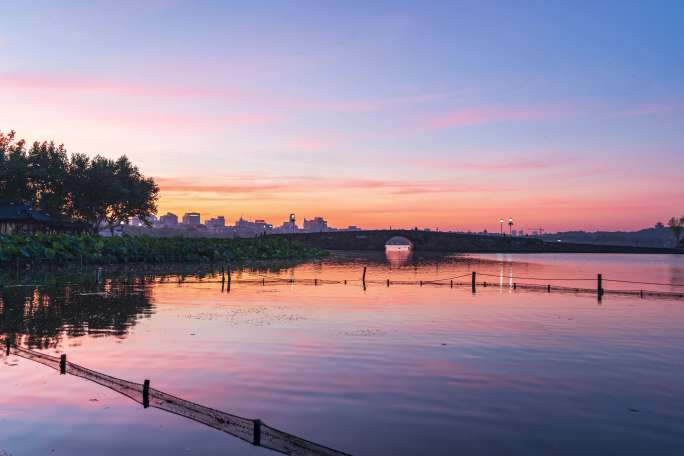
[
  {"x": 92, "y": 191},
  {"x": 658, "y": 236},
  {"x": 63, "y": 249}
]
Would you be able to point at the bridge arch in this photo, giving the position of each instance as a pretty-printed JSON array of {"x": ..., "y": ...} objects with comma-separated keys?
[{"x": 398, "y": 243}]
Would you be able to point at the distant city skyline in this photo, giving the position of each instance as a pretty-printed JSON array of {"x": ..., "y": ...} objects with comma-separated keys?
[
  {"x": 446, "y": 114},
  {"x": 168, "y": 224}
]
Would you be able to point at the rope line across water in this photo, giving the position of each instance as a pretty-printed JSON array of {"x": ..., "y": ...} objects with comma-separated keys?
[
  {"x": 534, "y": 278},
  {"x": 249, "y": 430},
  {"x": 645, "y": 283}
]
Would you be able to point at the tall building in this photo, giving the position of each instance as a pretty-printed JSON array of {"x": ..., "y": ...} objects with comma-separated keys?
[
  {"x": 137, "y": 221},
  {"x": 316, "y": 225},
  {"x": 191, "y": 219},
  {"x": 170, "y": 219},
  {"x": 218, "y": 222},
  {"x": 288, "y": 226},
  {"x": 245, "y": 228}
]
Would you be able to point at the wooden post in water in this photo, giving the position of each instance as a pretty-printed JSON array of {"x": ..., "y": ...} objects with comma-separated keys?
[
  {"x": 62, "y": 364},
  {"x": 7, "y": 346},
  {"x": 230, "y": 274},
  {"x": 257, "y": 433},
  {"x": 548, "y": 288},
  {"x": 599, "y": 284},
  {"x": 146, "y": 394},
  {"x": 474, "y": 281},
  {"x": 315, "y": 282},
  {"x": 514, "y": 285},
  {"x": 451, "y": 284},
  {"x": 388, "y": 282},
  {"x": 363, "y": 278}
]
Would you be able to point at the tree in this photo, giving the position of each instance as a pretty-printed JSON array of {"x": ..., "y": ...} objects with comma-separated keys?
[
  {"x": 110, "y": 192},
  {"x": 48, "y": 173},
  {"x": 88, "y": 186},
  {"x": 94, "y": 191},
  {"x": 676, "y": 225},
  {"x": 138, "y": 194},
  {"x": 130, "y": 195},
  {"x": 14, "y": 170}
]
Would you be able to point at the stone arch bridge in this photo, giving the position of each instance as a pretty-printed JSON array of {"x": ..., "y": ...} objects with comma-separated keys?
[{"x": 439, "y": 241}]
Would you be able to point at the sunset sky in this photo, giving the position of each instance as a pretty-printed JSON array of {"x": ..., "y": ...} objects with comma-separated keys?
[{"x": 450, "y": 115}]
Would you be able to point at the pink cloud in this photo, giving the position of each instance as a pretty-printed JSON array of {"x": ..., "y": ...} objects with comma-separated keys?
[
  {"x": 494, "y": 166},
  {"x": 64, "y": 82},
  {"x": 74, "y": 83},
  {"x": 309, "y": 144},
  {"x": 378, "y": 104},
  {"x": 490, "y": 115},
  {"x": 305, "y": 184}
]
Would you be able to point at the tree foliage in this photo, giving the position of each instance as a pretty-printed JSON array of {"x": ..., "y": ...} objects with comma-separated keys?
[
  {"x": 95, "y": 191},
  {"x": 676, "y": 224}
]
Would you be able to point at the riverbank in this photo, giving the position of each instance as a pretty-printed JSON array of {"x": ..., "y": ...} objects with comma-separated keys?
[{"x": 48, "y": 249}]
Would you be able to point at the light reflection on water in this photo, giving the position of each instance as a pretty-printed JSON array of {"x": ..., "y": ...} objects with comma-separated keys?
[
  {"x": 398, "y": 256},
  {"x": 389, "y": 370}
]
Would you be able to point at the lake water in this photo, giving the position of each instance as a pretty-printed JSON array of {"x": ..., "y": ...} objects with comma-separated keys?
[{"x": 398, "y": 370}]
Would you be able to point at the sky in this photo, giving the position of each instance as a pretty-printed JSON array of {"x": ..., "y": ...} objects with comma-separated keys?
[{"x": 450, "y": 115}]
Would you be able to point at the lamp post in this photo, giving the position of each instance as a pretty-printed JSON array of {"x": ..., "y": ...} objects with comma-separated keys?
[
  {"x": 501, "y": 223},
  {"x": 510, "y": 226}
]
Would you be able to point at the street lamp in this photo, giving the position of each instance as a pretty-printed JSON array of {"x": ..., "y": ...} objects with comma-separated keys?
[
  {"x": 501, "y": 223},
  {"x": 510, "y": 226}
]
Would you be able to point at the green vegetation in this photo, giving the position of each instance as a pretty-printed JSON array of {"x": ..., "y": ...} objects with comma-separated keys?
[
  {"x": 64, "y": 249},
  {"x": 92, "y": 191},
  {"x": 676, "y": 224}
]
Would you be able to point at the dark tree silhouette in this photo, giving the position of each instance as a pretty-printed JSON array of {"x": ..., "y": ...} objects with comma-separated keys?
[
  {"x": 93, "y": 191},
  {"x": 48, "y": 170},
  {"x": 676, "y": 225},
  {"x": 14, "y": 170}
]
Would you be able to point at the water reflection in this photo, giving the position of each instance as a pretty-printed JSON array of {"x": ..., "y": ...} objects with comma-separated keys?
[
  {"x": 40, "y": 308},
  {"x": 432, "y": 368},
  {"x": 398, "y": 256},
  {"x": 41, "y": 316}
]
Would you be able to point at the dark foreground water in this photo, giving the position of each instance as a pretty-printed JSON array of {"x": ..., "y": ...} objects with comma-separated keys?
[{"x": 399, "y": 370}]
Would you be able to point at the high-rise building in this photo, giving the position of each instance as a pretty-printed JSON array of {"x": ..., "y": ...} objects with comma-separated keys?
[
  {"x": 191, "y": 219},
  {"x": 170, "y": 219},
  {"x": 218, "y": 222},
  {"x": 316, "y": 225},
  {"x": 245, "y": 228}
]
